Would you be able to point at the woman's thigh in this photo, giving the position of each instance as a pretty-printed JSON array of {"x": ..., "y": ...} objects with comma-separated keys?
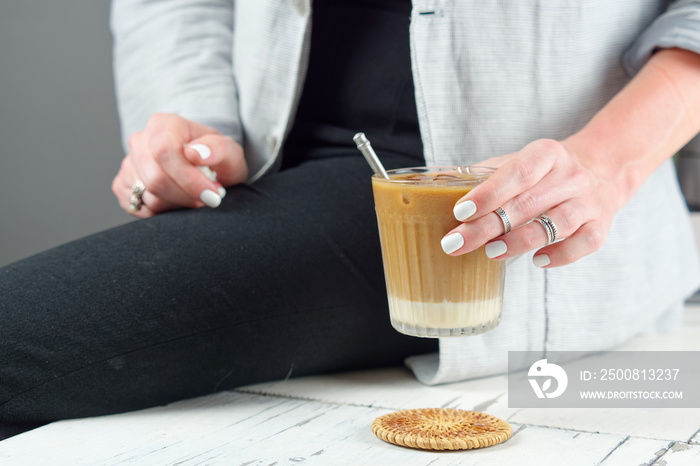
[{"x": 284, "y": 278}]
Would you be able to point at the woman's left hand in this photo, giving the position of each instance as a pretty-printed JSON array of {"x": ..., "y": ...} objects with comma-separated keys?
[{"x": 544, "y": 178}]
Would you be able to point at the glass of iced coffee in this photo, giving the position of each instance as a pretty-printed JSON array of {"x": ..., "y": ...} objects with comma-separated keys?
[{"x": 430, "y": 293}]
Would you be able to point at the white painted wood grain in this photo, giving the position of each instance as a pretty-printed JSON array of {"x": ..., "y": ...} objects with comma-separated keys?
[
  {"x": 696, "y": 438},
  {"x": 248, "y": 429},
  {"x": 389, "y": 388},
  {"x": 636, "y": 451},
  {"x": 662, "y": 424},
  {"x": 679, "y": 454}
]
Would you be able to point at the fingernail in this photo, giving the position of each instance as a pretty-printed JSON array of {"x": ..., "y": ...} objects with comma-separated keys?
[
  {"x": 210, "y": 198},
  {"x": 541, "y": 260},
  {"x": 208, "y": 172},
  {"x": 495, "y": 249},
  {"x": 464, "y": 210},
  {"x": 203, "y": 151},
  {"x": 222, "y": 193},
  {"x": 451, "y": 243}
]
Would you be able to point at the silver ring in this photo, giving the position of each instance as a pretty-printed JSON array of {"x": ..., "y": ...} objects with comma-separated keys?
[
  {"x": 507, "y": 226},
  {"x": 136, "y": 197},
  {"x": 549, "y": 227}
]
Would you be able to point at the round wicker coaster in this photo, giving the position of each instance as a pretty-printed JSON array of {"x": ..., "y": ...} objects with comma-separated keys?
[{"x": 441, "y": 429}]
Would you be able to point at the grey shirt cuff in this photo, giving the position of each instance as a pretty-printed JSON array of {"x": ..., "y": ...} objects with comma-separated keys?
[{"x": 678, "y": 27}]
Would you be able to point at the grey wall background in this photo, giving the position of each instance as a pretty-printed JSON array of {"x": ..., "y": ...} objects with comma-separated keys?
[{"x": 59, "y": 131}]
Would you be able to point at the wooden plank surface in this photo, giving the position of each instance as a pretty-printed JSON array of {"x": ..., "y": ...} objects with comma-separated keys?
[
  {"x": 636, "y": 451},
  {"x": 238, "y": 428},
  {"x": 662, "y": 424},
  {"x": 326, "y": 420},
  {"x": 391, "y": 388},
  {"x": 676, "y": 454}
]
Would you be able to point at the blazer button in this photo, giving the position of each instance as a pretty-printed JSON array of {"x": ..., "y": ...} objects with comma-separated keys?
[{"x": 301, "y": 6}]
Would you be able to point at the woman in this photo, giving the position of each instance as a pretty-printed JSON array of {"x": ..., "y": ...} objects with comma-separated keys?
[{"x": 273, "y": 268}]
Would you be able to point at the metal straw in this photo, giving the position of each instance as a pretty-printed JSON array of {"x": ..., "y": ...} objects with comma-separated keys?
[{"x": 371, "y": 157}]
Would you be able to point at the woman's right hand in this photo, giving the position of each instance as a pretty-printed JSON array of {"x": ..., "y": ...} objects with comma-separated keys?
[{"x": 165, "y": 157}]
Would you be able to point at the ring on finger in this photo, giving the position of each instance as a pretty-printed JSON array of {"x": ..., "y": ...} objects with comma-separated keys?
[
  {"x": 549, "y": 227},
  {"x": 136, "y": 197},
  {"x": 507, "y": 226}
]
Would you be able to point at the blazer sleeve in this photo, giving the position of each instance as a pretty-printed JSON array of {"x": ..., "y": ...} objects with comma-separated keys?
[
  {"x": 174, "y": 56},
  {"x": 678, "y": 26}
]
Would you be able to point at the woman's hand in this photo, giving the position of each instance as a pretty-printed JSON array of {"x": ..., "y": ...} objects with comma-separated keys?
[
  {"x": 544, "y": 177},
  {"x": 165, "y": 157}
]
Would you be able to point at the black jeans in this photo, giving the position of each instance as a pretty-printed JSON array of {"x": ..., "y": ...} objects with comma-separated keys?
[{"x": 285, "y": 277}]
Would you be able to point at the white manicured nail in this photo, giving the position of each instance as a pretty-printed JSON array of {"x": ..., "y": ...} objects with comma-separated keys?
[
  {"x": 222, "y": 193},
  {"x": 202, "y": 150},
  {"x": 451, "y": 243},
  {"x": 210, "y": 198},
  {"x": 495, "y": 249},
  {"x": 541, "y": 261},
  {"x": 208, "y": 172},
  {"x": 464, "y": 210}
]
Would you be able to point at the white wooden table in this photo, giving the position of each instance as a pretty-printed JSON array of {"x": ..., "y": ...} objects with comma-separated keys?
[{"x": 326, "y": 420}]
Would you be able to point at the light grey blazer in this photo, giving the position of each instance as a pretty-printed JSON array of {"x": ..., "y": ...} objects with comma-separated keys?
[{"x": 490, "y": 76}]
